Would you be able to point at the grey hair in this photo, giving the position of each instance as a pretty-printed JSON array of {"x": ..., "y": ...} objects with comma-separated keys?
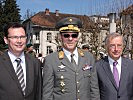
[{"x": 112, "y": 36}]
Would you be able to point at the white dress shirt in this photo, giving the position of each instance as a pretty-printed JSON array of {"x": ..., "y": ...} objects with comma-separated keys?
[
  {"x": 68, "y": 54},
  {"x": 118, "y": 66},
  {"x": 14, "y": 63}
]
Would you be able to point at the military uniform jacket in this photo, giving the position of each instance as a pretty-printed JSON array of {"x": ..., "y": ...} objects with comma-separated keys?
[{"x": 62, "y": 82}]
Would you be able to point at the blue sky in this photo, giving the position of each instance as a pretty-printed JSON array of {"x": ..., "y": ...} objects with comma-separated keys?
[
  {"x": 84, "y": 7},
  {"x": 64, "y": 6}
]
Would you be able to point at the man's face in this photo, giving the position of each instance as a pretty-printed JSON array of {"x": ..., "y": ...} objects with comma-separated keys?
[
  {"x": 115, "y": 47},
  {"x": 16, "y": 40},
  {"x": 69, "y": 40}
]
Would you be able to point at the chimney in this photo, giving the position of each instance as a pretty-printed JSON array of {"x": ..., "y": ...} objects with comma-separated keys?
[
  {"x": 57, "y": 12},
  {"x": 47, "y": 11},
  {"x": 112, "y": 21}
]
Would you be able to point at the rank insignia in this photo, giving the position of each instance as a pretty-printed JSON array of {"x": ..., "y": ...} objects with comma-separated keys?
[
  {"x": 81, "y": 52},
  {"x": 61, "y": 54},
  {"x": 62, "y": 83}
]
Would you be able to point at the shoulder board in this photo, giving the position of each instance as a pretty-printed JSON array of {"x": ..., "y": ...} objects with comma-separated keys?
[
  {"x": 61, "y": 54},
  {"x": 81, "y": 52}
]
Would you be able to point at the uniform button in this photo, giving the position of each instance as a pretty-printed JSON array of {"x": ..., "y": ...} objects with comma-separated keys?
[
  {"x": 62, "y": 77},
  {"x": 118, "y": 96},
  {"x": 78, "y": 91},
  {"x": 89, "y": 75},
  {"x": 63, "y": 90},
  {"x": 77, "y": 73},
  {"x": 77, "y": 82}
]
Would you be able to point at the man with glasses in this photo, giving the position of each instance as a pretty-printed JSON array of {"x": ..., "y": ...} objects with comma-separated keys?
[
  {"x": 69, "y": 74},
  {"x": 115, "y": 73},
  {"x": 20, "y": 76}
]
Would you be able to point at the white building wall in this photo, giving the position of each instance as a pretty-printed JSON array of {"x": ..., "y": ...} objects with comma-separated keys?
[{"x": 44, "y": 42}]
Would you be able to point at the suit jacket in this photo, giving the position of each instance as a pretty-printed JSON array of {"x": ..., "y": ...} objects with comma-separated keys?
[
  {"x": 10, "y": 88},
  {"x": 62, "y": 82},
  {"x": 107, "y": 85}
]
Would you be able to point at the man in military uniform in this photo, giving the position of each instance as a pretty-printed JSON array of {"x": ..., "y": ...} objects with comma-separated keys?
[{"x": 69, "y": 74}]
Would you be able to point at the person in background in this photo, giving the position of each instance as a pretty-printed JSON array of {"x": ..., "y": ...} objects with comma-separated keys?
[
  {"x": 20, "y": 76},
  {"x": 1, "y": 52},
  {"x": 86, "y": 47},
  {"x": 115, "y": 73},
  {"x": 30, "y": 50},
  {"x": 69, "y": 74},
  {"x": 41, "y": 59}
]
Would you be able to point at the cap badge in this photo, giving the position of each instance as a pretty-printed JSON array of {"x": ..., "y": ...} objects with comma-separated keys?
[{"x": 70, "y": 20}]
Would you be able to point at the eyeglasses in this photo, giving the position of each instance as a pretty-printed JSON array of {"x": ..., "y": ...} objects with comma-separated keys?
[
  {"x": 112, "y": 46},
  {"x": 17, "y": 37},
  {"x": 68, "y": 35}
]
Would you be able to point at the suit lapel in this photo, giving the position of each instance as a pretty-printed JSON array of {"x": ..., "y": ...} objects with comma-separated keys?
[
  {"x": 107, "y": 69},
  {"x": 124, "y": 73},
  {"x": 8, "y": 65},
  {"x": 29, "y": 74}
]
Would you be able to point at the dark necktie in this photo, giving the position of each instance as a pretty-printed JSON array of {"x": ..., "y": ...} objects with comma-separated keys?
[
  {"x": 20, "y": 75},
  {"x": 115, "y": 73},
  {"x": 72, "y": 59}
]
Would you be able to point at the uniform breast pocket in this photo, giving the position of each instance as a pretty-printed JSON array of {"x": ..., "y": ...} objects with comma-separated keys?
[{"x": 87, "y": 73}]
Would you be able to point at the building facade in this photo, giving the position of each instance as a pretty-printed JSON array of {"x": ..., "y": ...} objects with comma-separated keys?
[{"x": 41, "y": 31}]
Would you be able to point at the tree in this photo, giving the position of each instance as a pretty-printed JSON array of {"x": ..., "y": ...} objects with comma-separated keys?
[
  {"x": 9, "y": 12},
  {"x": 28, "y": 14},
  {"x": 1, "y": 25}
]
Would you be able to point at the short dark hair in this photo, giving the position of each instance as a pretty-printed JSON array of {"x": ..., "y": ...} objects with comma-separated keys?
[{"x": 12, "y": 25}]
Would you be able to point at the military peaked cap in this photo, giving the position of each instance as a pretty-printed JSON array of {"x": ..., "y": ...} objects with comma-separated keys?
[
  {"x": 69, "y": 24},
  {"x": 85, "y": 46}
]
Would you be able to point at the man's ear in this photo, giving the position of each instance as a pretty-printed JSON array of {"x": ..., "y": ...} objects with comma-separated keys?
[
  {"x": 60, "y": 39},
  {"x": 6, "y": 40}
]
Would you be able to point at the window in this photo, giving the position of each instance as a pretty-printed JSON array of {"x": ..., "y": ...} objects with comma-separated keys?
[
  {"x": 37, "y": 49},
  {"x": 31, "y": 36},
  {"x": 49, "y": 37},
  {"x": 48, "y": 49},
  {"x": 58, "y": 48},
  {"x": 37, "y": 36}
]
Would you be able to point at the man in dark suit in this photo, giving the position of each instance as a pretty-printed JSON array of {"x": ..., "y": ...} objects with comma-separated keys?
[
  {"x": 115, "y": 73},
  {"x": 20, "y": 77},
  {"x": 69, "y": 74}
]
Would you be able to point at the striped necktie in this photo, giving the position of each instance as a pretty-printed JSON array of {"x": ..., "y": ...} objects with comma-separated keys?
[{"x": 20, "y": 75}]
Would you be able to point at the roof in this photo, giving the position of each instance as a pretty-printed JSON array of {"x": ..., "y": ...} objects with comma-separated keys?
[{"x": 50, "y": 20}]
